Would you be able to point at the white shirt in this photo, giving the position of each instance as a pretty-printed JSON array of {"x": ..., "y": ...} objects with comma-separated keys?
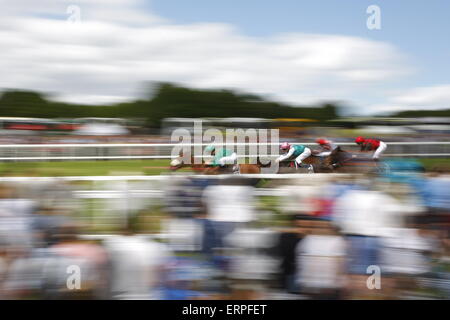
[
  {"x": 368, "y": 213},
  {"x": 135, "y": 263},
  {"x": 287, "y": 155},
  {"x": 404, "y": 252},
  {"x": 15, "y": 221},
  {"x": 229, "y": 203},
  {"x": 319, "y": 261},
  {"x": 248, "y": 261},
  {"x": 183, "y": 234}
]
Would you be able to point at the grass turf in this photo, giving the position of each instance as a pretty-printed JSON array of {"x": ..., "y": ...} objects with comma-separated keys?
[{"x": 84, "y": 168}]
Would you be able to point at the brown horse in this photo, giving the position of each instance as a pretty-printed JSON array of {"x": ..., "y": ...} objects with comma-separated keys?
[
  {"x": 211, "y": 170},
  {"x": 320, "y": 165},
  {"x": 338, "y": 161}
]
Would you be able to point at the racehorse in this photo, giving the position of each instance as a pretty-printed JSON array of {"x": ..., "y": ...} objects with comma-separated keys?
[
  {"x": 320, "y": 165},
  {"x": 338, "y": 161},
  {"x": 345, "y": 162},
  {"x": 211, "y": 170}
]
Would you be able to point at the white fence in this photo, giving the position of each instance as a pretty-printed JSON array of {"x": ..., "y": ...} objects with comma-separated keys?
[{"x": 46, "y": 152}]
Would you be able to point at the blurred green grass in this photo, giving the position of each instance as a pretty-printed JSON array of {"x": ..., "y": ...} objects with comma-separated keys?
[{"x": 84, "y": 168}]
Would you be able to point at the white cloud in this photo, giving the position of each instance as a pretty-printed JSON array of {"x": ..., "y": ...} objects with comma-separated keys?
[
  {"x": 420, "y": 98},
  {"x": 426, "y": 97},
  {"x": 118, "y": 45}
]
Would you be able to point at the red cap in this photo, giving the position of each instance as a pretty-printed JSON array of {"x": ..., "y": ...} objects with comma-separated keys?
[{"x": 359, "y": 140}]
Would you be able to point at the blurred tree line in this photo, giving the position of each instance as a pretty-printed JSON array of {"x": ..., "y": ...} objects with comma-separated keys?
[
  {"x": 168, "y": 100},
  {"x": 423, "y": 113}
]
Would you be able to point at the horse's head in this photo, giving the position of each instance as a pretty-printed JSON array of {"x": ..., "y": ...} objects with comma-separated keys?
[
  {"x": 337, "y": 155},
  {"x": 329, "y": 160},
  {"x": 176, "y": 164},
  {"x": 181, "y": 162}
]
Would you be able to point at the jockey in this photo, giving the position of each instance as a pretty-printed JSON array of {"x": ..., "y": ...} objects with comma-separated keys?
[
  {"x": 327, "y": 146},
  {"x": 299, "y": 152},
  {"x": 372, "y": 145},
  {"x": 222, "y": 157}
]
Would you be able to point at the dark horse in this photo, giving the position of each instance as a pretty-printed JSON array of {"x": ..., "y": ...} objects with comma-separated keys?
[{"x": 346, "y": 162}]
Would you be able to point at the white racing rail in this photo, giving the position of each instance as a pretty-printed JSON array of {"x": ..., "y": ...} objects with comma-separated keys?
[{"x": 51, "y": 152}]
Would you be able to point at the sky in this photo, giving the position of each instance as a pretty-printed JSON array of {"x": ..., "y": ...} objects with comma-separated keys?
[{"x": 298, "y": 52}]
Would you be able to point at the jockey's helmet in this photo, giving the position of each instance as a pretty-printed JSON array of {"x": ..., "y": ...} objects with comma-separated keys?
[
  {"x": 321, "y": 141},
  {"x": 210, "y": 148},
  {"x": 359, "y": 140},
  {"x": 285, "y": 146}
]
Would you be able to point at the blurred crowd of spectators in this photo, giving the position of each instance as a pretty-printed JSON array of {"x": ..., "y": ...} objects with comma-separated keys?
[{"x": 340, "y": 238}]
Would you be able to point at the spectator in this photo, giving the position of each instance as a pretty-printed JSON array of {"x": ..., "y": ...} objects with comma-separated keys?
[
  {"x": 67, "y": 252},
  {"x": 137, "y": 265},
  {"x": 15, "y": 218},
  {"x": 228, "y": 205},
  {"x": 406, "y": 255},
  {"x": 364, "y": 216},
  {"x": 285, "y": 249},
  {"x": 320, "y": 259}
]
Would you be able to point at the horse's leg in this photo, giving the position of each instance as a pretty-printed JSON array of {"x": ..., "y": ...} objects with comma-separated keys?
[
  {"x": 327, "y": 164},
  {"x": 208, "y": 170},
  {"x": 311, "y": 161}
]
